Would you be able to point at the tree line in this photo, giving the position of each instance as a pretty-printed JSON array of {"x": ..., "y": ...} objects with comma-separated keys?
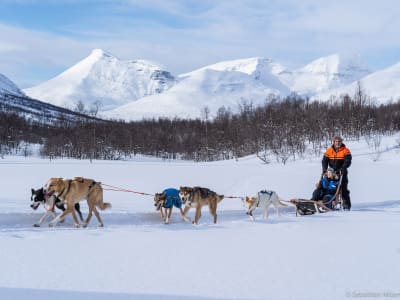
[{"x": 280, "y": 129}]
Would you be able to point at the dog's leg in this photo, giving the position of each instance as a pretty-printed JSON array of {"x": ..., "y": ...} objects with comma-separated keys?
[
  {"x": 266, "y": 210},
  {"x": 250, "y": 214},
  {"x": 44, "y": 217},
  {"x": 97, "y": 214},
  {"x": 61, "y": 216},
  {"x": 89, "y": 216},
  {"x": 162, "y": 213},
  {"x": 78, "y": 210},
  {"x": 75, "y": 218},
  {"x": 197, "y": 215},
  {"x": 184, "y": 212},
  {"x": 213, "y": 210},
  {"x": 168, "y": 212},
  {"x": 277, "y": 209}
]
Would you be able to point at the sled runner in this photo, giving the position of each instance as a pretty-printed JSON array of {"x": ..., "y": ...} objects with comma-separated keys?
[{"x": 309, "y": 207}]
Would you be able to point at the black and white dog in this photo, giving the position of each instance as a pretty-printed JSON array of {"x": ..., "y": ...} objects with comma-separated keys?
[{"x": 38, "y": 197}]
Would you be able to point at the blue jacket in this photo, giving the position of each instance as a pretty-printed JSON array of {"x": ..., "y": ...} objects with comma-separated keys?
[
  {"x": 173, "y": 198},
  {"x": 329, "y": 186}
]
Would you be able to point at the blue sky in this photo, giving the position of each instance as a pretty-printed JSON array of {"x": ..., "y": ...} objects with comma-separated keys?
[{"x": 41, "y": 38}]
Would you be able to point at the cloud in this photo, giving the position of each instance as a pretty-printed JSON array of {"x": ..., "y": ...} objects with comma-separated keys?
[{"x": 184, "y": 35}]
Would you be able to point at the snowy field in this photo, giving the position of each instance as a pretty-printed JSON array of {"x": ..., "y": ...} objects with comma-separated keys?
[{"x": 337, "y": 255}]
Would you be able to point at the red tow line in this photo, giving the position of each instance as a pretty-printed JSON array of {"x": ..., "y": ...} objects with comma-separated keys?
[{"x": 119, "y": 189}]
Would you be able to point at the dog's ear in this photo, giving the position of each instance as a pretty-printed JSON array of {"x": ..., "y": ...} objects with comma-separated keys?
[{"x": 32, "y": 191}]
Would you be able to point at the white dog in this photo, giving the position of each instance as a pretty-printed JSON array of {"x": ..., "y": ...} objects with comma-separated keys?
[{"x": 264, "y": 200}]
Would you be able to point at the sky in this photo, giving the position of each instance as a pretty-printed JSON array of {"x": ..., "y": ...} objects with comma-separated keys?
[{"x": 41, "y": 38}]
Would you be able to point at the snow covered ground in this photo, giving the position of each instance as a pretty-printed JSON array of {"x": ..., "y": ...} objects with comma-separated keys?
[{"x": 336, "y": 255}]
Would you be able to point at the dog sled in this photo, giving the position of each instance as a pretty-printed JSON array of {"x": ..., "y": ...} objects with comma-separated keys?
[{"x": 326, "y": 204}]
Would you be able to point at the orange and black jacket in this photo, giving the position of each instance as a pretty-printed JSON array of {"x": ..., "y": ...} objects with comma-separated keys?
[{"x": 339, "y": 160}]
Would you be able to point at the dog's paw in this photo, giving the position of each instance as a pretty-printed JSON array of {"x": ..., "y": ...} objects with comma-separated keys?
[
  {"x": 84, "y": 225},
  {"x": 77, "y": 225},
  {"x": 36, "y": 225},
  {"x": 101, "y": 225},
  {"x": 186, "y": 219}
]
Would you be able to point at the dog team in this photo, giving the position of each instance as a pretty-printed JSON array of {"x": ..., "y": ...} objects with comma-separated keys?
[{"x": 59, "y": 192}]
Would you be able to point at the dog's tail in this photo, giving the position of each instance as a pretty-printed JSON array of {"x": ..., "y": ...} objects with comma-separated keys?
[
  {"x": 104, "y": 205},
  {"x": 282, "y": 202}
]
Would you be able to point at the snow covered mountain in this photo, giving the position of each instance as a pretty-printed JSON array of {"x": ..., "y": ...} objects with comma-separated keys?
[
  {"x": 383, "y": 86},
  {"x": 324, "y": 74},
  {"x": 40, "y": 112},
  {"x": 228, "y": 84},
  {"x": 103, "y": 79},
  {"x": 136, "y": 89},
  {"x": 8, "y": 87}
]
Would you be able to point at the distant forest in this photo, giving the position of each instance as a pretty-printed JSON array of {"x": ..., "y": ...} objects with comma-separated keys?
[{"x": 278, "y": 130}]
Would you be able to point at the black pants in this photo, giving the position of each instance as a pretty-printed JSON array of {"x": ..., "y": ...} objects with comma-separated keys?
[{"x": 345, "y": 191}]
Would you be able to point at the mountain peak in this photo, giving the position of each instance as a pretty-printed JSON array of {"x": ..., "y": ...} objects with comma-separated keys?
[
  {"x": 336, "y": 64},
  {"x": 99, "y": 53},
  {"x": 104, "y": 79},
  {"x": 325, "y": 73}
]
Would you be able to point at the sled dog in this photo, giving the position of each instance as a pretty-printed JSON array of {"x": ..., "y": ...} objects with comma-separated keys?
[
  {"x": 263, "y": 200},
  {"x": 38, "y": 197},
  {"x": 197, "y": 197},
  {"x": 165, "y": 202},
  {"x": 72, "y": 191}
]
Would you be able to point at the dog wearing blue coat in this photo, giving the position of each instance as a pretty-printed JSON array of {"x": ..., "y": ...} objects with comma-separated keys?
[{"x": 165, "y": 201}]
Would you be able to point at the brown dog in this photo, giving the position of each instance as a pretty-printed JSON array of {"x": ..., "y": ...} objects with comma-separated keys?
[
  {"x": 72, "y": 191},
  {"x": 197, "y": 197}
]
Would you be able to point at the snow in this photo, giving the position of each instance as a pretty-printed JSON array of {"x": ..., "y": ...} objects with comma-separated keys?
[
  {"x": 382, "y": 86},
  {"x": 336, "y": 255},
  {"x": 9, "y": 87},
  {"x": 103, "y": 78},
  {"x": 324, "y": 74},
  {"x": 137, "y": 89},
  {"x": 228, "y": 84}
]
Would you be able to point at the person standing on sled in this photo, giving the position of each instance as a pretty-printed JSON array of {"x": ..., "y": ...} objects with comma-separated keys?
[
  {"x": 338, "y": 157},
  {"x": 326, "y": 188}
]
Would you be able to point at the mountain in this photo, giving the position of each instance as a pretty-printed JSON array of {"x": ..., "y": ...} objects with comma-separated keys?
[
  {"x": 8, "y": 87},
  {"x": 136, "y": 89},
  {"x": 383, "y": 86},
  {"x": 40, "y": 112},
  {"x": 228, "y": 84},
  {"x": 104, "y": 80},
  {"x": 324, "y": 74}
]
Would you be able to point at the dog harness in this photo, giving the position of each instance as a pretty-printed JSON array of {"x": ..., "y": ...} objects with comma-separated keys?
[
  {"x": 172, "y": 198},
  {"x": 68, "y": 187},
  {"x": 269, "y": 193}
]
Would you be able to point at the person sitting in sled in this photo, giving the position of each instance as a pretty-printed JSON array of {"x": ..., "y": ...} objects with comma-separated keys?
[{"x": 326, "y": 188}]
